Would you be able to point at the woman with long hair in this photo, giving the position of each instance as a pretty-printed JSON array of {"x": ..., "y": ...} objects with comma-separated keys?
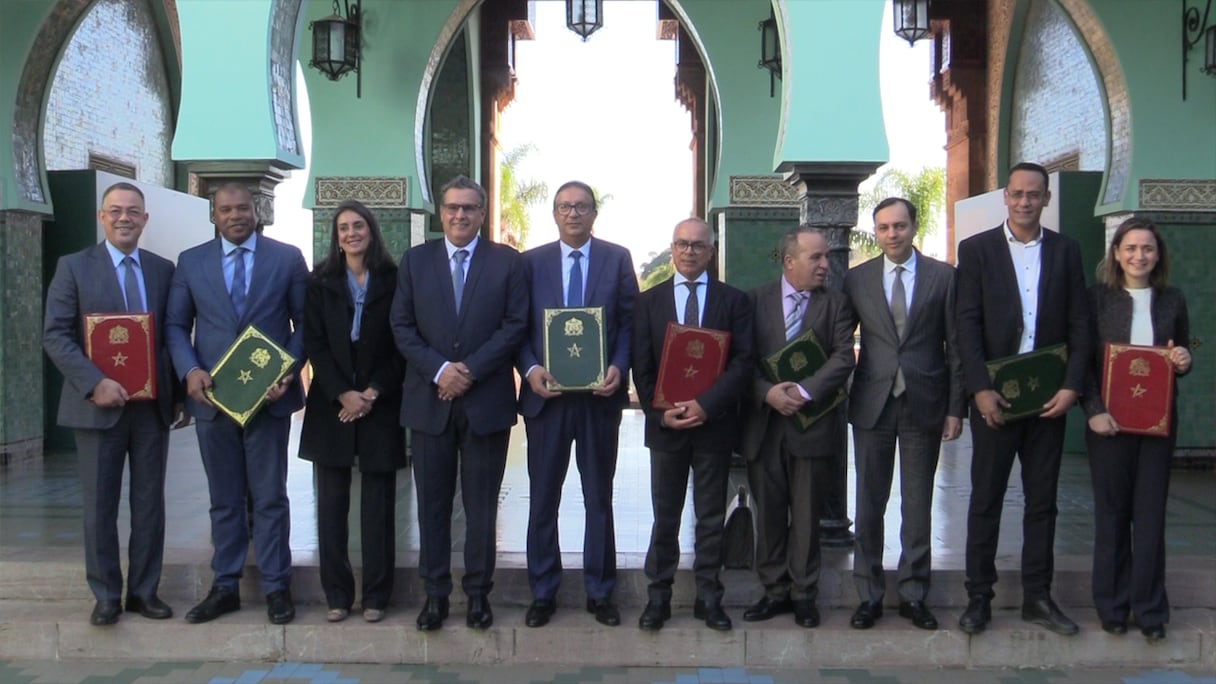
[
  {"x": 353, "y": 409},
  {"x": 1132, "y": 303}
]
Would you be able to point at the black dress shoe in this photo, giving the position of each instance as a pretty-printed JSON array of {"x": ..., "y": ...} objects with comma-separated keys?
[
  {"x": 918, "y": 613},
  {"x": 1153, "y": 633},
  {"x": 218, "y": 602},
  {"x": 539, "y": 612},
  {"x": 654, "y": 615},
  {"x": 479, "y": 616},
  {"x": 151, "y": 607},
  {"x": 1116, "y": 627},
  {"x": 712, "y": 614},
  {"x": 1046, "y": 613},
  {"x": 605, "y": 613},
  {"x": 105, "y": 613},
  {"x": 767, "y": 608},
  {"x": 434, "y": 612},
  {"x": 279, "y": 607},
  {"x": 977, "y": 616},
  {"x": 806, "y": 614},
  {"x": 866, "y": 615}
]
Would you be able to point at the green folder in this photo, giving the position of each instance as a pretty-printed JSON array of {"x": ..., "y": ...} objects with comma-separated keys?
[
  {"x": 574, "y": 347},
  {"x": 250, "y": 367},
  {"x": 799, "y": 359},
  {"x": 1027, "y": 381}
]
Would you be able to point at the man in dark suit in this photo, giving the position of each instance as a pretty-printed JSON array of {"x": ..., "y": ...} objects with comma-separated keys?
[
  {"x": 1020, "y": 288},
  {"x": 459, "y": 315},
  {"x": 113, "y": 276},
  {"x": 695, "y": 435},
  {"x": 784, "y": 465},
  {"x": 907, "y": 387},
  {"x": 222, "y": 286},
  {"x": 576, "y": 271}
]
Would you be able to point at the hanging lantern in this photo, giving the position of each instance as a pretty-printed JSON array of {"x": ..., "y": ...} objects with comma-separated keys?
[
  {"x": 770, "y": 51},
  {"x": 584, "y": 17},
  {"x": 911, "y": 19},
  {"x": 335, "y": 43}
]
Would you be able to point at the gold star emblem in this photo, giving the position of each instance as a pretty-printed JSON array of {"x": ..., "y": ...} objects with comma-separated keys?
[
  {"x": 245, "y": 377},
  {"x": 1138, "y": 391},
  {"x": 1032, "y": 384},
  {"x": 119, "y": 359},
  {"x": 575, "y": 351},
  {"x": 690, "y": 372}
]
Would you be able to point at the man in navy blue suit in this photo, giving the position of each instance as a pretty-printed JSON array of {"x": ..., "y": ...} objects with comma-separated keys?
[
  {"x": 221, "y": 287},
  {"x": 459, "y": 314},
  {"x": 575, "y": 271}
]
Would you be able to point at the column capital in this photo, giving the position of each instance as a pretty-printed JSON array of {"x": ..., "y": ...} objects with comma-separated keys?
[
  {"x": 260, "y": 176},
  {"x": 831, "y": 176}
]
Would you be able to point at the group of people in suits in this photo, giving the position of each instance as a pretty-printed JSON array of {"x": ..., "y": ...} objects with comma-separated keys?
[{"x": 434, "y": 345}]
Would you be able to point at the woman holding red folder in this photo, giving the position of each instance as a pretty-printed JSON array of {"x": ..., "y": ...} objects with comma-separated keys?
[
  {"x": 1132, "y": 303},
  {"x": 353, "y": 410}
]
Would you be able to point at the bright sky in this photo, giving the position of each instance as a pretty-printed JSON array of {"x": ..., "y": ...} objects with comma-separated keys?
[{"x": 605, "y": 112}]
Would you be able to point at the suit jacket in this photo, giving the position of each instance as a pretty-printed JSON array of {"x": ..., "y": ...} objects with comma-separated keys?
[
  {"x": 340, "y": 365},
  {"x": 485, "y": 335},
  {"x": 990, "y": 311},
  {"x": 199, "y": 301},
  {"x": 829, "y": 315},
  {"x": 928, "y": 353},
  {"x": 84, "y": 282},
  {"x": 726, "y": 308},
  {"x": 1111, "y": 321},
  {"x": 611, "y": 283}
]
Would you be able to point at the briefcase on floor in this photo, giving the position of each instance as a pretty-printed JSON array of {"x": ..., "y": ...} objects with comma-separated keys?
[{"x": 739, "y": 537}]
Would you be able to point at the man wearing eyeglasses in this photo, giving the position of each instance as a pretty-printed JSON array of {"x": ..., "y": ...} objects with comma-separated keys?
[
  {"x": 696, "y": 435},
  {"x": 459, "y": 315},
  {"x": 786, "y": 464},
  {"x": 1020, "y": 288},
  {"x": 111, "y": 429},
  {"x": 577, "y": 270}
]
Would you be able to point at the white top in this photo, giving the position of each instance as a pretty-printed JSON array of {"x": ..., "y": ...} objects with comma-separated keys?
[
  {"x": 1142, "y": 315},
  {"x": 1026, "y": 258}
]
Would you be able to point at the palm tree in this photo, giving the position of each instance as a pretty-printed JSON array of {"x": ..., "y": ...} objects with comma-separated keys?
[
  {"x": 515, "y": 196},
  {"x": 926, "y": 189}
]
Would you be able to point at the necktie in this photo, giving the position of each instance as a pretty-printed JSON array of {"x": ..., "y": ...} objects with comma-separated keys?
[
  {"x": 899, "y": 313},
  {"x": 458, "y": 276},
  {"x": 238, "y": 281},
  {"x": 793, "y": 322},
  {"x": 692, "y": 307},
  {"x": 130, "y": 286},
  {"x": 574, "y": 293}
]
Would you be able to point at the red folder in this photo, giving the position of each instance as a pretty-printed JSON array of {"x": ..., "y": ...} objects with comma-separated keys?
[
  {"x": 122, "y": 346},
  {"x": 692, "y": 360},
  {"x": 1138, "y": 388}
]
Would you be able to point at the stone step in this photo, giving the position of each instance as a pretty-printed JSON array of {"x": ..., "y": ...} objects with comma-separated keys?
[
  {"x": 49, "y": 630},
  {"x": 58, "y": 574}
]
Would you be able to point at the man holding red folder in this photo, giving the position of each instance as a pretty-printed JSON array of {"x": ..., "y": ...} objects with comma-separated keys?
[{"x": 696, "y": 434}]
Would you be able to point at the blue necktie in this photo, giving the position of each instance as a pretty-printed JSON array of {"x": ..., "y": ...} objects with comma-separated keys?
[
  {"x": 238, "y": 282},
  {"x": 575, "y": 291},
  {"x": 458, "y": 276},
  {"x": 692, "y": 307},
  {"x": 130, "y": 286},
  {"x": 793, "y": 322}
]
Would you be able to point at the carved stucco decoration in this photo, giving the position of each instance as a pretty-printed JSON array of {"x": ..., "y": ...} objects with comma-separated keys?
[
  {"x": 762, "y": 191},
  {"x": 375, "y": 192},
  {"x": 1178, "y": 195},
  {"x": 285, "y": 18}
]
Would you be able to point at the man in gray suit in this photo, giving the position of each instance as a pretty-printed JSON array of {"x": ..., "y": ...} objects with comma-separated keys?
[
  {"x": 784, "y": 464},
  {"x": 109, "y": 277},
  {"x": 908, "y": 388}
]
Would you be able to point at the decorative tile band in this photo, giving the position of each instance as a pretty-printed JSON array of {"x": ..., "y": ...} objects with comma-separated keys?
[
  {"x": 375, "y": 192},
  {"x": 1178, "y": 195},
  {"x": 762, "y": 190}
]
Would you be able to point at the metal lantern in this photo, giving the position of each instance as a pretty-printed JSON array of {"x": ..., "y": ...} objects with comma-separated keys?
[
  {"x": 584, "y": 17},
  {"x": 911, "y": 19},
  {"x": 1209, "y": 51},
  {"x": 770, "y": 51},
  {"x": 335, "y": 43}
]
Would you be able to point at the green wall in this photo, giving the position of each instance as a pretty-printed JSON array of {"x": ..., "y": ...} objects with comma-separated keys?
[{"x": 20, "y": 21}]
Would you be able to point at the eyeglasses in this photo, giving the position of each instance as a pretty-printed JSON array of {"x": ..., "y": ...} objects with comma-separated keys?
[
  {"x": 116, "y": 213},
  {"x": 1033, "y": 195},
  {"x": 579, "y": 208},
  {"x": 457, "y": 208},
  {"x": 690, "y": 247}
]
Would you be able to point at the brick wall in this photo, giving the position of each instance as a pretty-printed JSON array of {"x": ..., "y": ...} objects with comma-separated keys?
[
  {"x": 110, "y": 95},
  {"x": 1056, "y": 109}
]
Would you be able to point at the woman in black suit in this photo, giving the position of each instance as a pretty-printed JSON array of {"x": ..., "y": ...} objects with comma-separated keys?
[
  {"x": 1132, "y": 303},
  {"x": 353, "y": 408}
]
